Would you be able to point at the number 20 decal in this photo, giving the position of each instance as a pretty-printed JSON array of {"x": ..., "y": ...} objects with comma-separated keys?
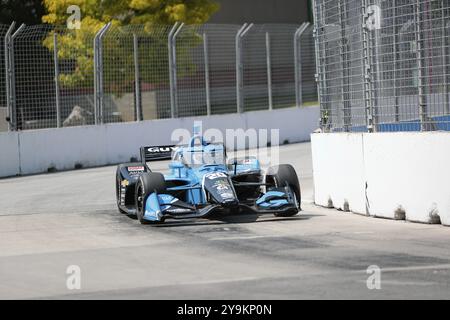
[{"x": 216, "y": 175}]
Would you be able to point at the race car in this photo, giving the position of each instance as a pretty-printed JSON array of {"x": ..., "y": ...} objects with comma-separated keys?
[{"x": 201, "y": 182}]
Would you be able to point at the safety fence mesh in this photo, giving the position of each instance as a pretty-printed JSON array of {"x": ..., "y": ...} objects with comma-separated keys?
[
  {"x": 108, "y": 73},
  {"x": 383, "y": 65}
]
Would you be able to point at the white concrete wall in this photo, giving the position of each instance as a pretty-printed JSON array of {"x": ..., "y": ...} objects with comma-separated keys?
[
  {"x": 404, "y": 171},
  {"x": 62, "y": 149},
  {"x": 295, "y": 124},
  {"x": 9, "y": 154},
  {"x": 89, "y": 146},
  {"x": 3, "y": 123},
  {"x": 339, "y": 171}
]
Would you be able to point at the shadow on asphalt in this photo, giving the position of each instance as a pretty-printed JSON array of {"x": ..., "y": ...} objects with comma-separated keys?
[{"x": 231, "y": 219}]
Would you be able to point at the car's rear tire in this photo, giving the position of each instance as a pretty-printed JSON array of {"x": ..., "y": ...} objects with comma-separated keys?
[
  {"x": 148, "y": 183},
  {"x": 280, "y": 176}
]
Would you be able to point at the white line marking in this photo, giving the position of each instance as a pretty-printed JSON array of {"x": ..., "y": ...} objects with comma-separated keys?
[
  {"x": 417, "y": 268},
  {"x": 245, "y": 238},
  {"x": 412, "y": 268},
  {"x": 404, "y": 283},
  {"x": 218, "y": 281},
  {"x": 363, "y": 232}
]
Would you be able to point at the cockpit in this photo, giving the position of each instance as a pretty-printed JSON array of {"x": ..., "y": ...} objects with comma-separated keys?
[{"x": 200, "y": 155}]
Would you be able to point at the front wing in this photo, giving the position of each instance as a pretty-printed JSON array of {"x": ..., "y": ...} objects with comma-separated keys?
[{"x": 159, "y": 207}]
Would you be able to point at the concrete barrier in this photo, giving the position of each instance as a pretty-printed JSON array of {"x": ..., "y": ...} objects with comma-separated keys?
[
  {"x": 404, "y": 175},
  {"x": 295, "y": 124},
  {"x": 36, "y": 151},
  {"x": 338, "y": 171},
  {"x": 62, "y": 149},
  {"x": 9, "y": 154},
  {"x": 3, "y": 123}
]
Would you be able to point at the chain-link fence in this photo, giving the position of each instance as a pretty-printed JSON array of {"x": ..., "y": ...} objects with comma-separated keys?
[
  {"x": 50, "y": 82},
  {"x": 383, "y": 65},
  {"x": 106, "y": 73}
]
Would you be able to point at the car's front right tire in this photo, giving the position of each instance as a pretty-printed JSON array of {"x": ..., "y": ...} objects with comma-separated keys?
[
  {"x": 147, "y": 184},
  {"x": 285, "y": 175}
]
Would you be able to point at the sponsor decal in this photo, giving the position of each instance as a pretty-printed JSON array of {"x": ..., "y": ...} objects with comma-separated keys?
[
  {"x": 178, "y": 210},
  {"x": 166, "y": 198},
  {"x": 125, "y": 183},
  {"x": 135, "y": 169},
  {"x": 221, "y": 185},
  {"x": 160, "y": 149},
  {"x": 227, "y": 195},
  {"x": 150, "y": 153}
]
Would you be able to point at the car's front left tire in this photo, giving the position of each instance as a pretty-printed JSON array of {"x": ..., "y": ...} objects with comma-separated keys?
[
  {"x": 147, "y": 184},
  {"x": 119, "y": 191}
]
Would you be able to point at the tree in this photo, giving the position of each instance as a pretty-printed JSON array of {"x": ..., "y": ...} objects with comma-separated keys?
[
  {"x": 77, "y": 46},
  {"x": 133, "y": 11}
]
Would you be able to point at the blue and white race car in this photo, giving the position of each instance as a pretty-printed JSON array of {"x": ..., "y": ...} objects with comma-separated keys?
[{"x": 201, "y": 182}]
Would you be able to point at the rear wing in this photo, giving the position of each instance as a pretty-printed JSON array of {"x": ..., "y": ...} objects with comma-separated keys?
[{"x": 155, "y": 153}]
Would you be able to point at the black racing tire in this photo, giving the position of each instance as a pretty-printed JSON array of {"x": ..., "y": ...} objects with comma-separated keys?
[
  {"x": 280, "y": 176},
  {"x": 121, "y": 175},
  {"x": 118, "y": 190},
  {"x": 148, "y": 183}
]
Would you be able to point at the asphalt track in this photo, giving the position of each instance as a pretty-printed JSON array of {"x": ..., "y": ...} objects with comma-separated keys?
[{"x": 49, "y": 222}]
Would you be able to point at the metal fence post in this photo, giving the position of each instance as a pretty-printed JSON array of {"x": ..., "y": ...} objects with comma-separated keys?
[
  {"x": 137, "y": 80},
  {"x": 376, "y": 84},
  {"x": 171, "y": 67},
  {"x": 239, "y": 74},
  {"x": 444, "y": 53},
  {"x": 7, "y": 44},
  {"x": 343, "y": 51},
  {"x": 57, "y": 90},
  {"x": 395, "y": 53},
  {"x": 98, "y": 74},
  {"x": 401, "y": 37},
  {"x": 321, "y": 76},
  {"x": 298, "y": 63},
  {"x": 207, "y": 83},
  {"x": 446, "y": 86},
  {"x": 101, "y": 90},
  {"x": 420, "y": 66},
  {"x": 174, "y": 68},
  {"x": 239, "y": 66},
  {"x": 12, "y": 72},
  {"x": 95, "y": 78},
  {"x": 318, "y": 75},
  {"x": 368, "y": 103},
  {"x": 269, "y": 71}
]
